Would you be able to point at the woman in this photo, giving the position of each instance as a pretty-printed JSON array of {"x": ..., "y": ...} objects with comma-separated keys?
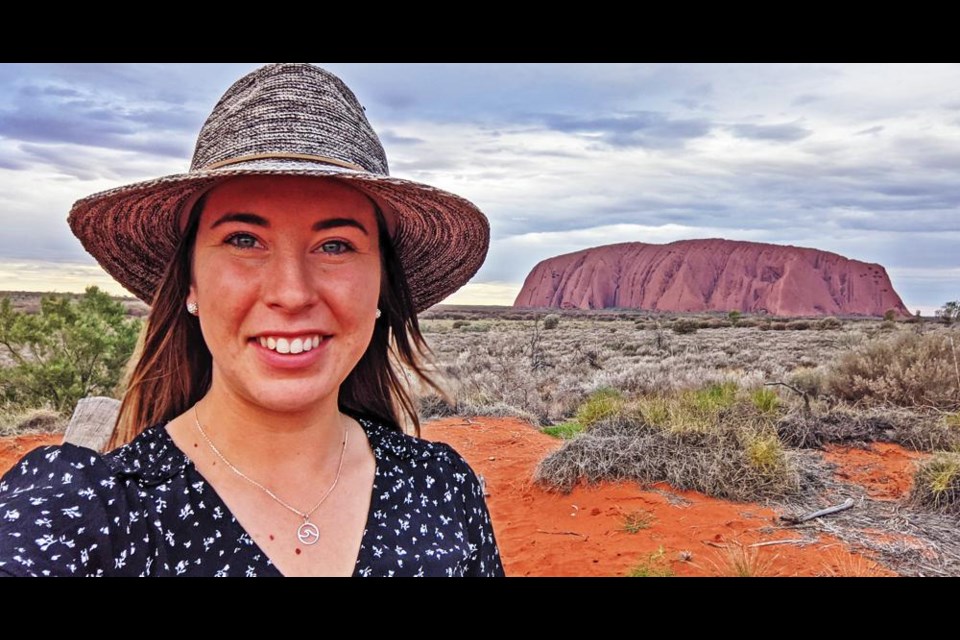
[{"x": 260, "y": 430}]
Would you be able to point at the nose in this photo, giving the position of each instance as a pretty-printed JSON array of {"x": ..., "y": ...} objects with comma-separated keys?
[{"x": 289, "y": 284}]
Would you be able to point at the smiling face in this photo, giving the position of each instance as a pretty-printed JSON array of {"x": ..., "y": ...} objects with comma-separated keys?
[{"x": 286, "y": 273}]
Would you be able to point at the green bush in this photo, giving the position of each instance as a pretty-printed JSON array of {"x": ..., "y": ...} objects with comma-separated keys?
[
  {"x": 765, "y": 400},
  {"x": 552, "y": 321},
  {"x": 601, "y": 404},
  {"x": 70, "y": 349}
]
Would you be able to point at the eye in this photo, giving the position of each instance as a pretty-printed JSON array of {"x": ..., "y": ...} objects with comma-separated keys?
[
  {"x": 242, "y": 241},
  {"x": 335, "y": 247}
]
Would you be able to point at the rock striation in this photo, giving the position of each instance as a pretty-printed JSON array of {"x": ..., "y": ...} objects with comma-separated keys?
[{"x": 711, "y": 275}]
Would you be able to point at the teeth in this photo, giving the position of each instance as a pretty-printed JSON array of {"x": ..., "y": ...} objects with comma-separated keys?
[{"x": 287, "y": 345}]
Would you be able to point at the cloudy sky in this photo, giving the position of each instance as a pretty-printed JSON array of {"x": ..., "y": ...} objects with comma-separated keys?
[{"x": 862, "y": 160}]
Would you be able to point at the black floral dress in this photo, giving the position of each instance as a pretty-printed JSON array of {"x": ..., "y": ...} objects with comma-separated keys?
[{"x": 144, "y": 510}]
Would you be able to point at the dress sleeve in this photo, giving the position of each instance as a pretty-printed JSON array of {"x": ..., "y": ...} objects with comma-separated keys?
[
  {"x": 53, "y": 514},
  {"x": 485, "y": 560}
]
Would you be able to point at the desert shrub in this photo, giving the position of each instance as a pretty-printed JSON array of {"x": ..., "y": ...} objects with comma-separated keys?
[
  {"x": 477, "y": 327},
  {"x": 713, "y": 323},
  {"x": 890, "y": 315},
  {"x": 460, "y": 323},
  {"x": 734, "y": 317},
  {"x": 809, "y": 380},
  {"x": 949, "y": 312},
  {"x": 433, "y": 405},
  {"x": 17, "y": 420},
  {"x": 684, "y": 326},
  {"x": 829, "y": 323},
  {"x": 936, "y": 484},
  {"x": 851, "y": 425},
  {"x": 906, "y": 370},
  {"x": 729, "y": 461},
  {"x": 551, "y": 321},
  {"x": 798, "y": 325},
  {"x": 778, "y": 326},
  {"x": 70, "y": 349}
]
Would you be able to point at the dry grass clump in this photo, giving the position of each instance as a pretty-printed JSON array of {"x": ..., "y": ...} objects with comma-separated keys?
[
  {"x": 655, "y": 565},
  {"x": 907, "y": 370},
  {"x": 936, "y": 484},
  {"x": 842, "y": 564},
  {"x": 739, "y": 560},
  {"x": 848, "y": 425},
  {"x": 15, "y": 422},
  {"x": 726, "y": 452}
]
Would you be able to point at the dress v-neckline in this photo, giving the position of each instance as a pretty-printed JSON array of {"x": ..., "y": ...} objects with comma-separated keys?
[{"x": 268, "y": 563}]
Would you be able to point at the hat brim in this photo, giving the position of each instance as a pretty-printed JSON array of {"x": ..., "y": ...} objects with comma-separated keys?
[{"x": 133, "y": 231}]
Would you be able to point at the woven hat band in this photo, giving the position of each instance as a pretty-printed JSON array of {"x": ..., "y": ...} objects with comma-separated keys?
[{"x": 284, "y": 156}]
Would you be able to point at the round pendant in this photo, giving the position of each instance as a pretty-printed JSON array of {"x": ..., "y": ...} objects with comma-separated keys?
[{"x": 308, "y": 533}]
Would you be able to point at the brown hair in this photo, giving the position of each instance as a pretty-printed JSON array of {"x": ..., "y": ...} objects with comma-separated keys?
[{"x": 171, "y": 367}]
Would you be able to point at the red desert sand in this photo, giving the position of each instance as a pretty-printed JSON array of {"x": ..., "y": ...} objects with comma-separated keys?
[{"x": 586, "y": 532}]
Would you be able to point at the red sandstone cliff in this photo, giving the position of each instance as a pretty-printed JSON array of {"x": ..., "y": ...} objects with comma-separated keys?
[{"x": 711, "y": 275}]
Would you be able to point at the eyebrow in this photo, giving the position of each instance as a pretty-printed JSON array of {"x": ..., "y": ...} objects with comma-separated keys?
[
  {"x": 339, "y": 222},
  {"x": 260, "y": 221}
]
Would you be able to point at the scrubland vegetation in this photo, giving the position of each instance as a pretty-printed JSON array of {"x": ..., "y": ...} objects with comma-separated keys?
[{"x": 733, "y": 406}]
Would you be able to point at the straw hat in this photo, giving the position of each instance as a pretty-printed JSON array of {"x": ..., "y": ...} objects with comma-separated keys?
[{"x": 289, "y": 119}]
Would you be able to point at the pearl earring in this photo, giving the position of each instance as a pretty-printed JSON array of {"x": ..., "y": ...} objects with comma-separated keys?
[
  {"x": 192, "y": 308},
  {"x": 378, "y": 313}
]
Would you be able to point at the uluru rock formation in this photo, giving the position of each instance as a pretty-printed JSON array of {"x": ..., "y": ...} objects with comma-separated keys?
[{"x": 711, "y": 275}]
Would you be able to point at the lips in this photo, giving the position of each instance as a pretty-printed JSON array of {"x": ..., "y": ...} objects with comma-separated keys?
[{"x": 291, "y": 344}]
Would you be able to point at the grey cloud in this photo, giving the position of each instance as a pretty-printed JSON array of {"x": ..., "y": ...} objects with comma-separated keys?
[
  {"x": 388, "y": 137},
  {"x": 633, "y": 129},
  {"x": 805, "y": 98},
  {"x": 781, "y": 132},
  {"x": 9, "y": 163},
  {"x": 863, "y": 132},
  {"x": 39, "y": 116}
]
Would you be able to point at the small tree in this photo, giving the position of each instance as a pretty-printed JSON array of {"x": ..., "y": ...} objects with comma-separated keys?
[
  {"x": 949, "y": 312},
  {"x": 890, "y": 315},
  {"x": 69, "y": 350},
  {"x": 734, "y": 317}
]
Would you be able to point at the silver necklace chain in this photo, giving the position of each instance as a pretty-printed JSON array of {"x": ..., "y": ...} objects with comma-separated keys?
[{"x": 307, "y": 533}]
